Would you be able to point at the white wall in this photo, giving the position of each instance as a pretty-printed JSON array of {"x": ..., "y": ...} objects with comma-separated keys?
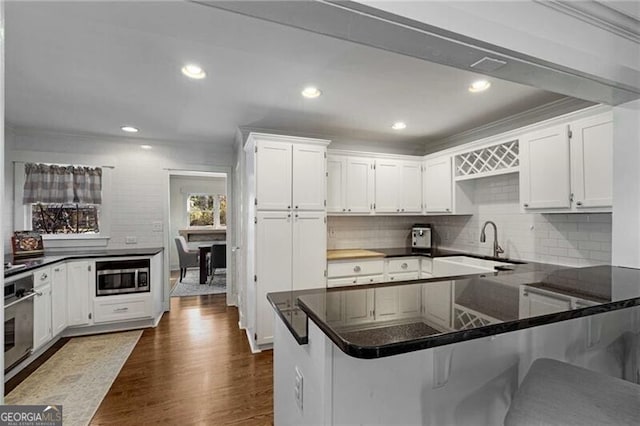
[
  {"x": 566, "y": 239},
  {"x": 139, "y": 181},
  {"x": 179, "y": 189},
  {"x": 626, "y": 185}
]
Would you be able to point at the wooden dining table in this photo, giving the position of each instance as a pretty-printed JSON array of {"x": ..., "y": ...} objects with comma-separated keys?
[{"x": 204, "y": 249}]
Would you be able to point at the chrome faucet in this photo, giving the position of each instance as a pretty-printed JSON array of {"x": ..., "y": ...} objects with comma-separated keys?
[{"x": 497, "y": 250}]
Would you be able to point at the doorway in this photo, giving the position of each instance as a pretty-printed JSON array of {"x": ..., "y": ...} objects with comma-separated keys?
[{"x": 198, "y": 233}]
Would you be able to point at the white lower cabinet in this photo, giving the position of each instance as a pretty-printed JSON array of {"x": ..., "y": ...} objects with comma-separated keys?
[
  {"x": 80, "y": 279},
  {"x": 437, "y": 301},
  {"x": 359, "y": 306},
  {"x": 534, "y": 303},
  {"x": 59, "y": 297},
  {"x": 119, "y": 308},
  {"x": 42, "y": 316}
]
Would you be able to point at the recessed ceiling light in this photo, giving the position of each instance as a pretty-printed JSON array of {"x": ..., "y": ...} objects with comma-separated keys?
[
  {"x": 129, "y": 129},
  {"x": 145, "y": 146},
  {"x": 399, "y": 125},
  {"x": 194, "y": 71},
  {"x": 479, "y": 86},
  {"x": 311, "y": 92}
]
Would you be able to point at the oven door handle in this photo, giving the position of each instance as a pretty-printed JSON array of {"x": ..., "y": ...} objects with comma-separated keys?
[{"x": 22, "y": 299}]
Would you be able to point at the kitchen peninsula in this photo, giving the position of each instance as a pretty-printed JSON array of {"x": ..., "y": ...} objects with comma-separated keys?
[{"x": 414, "y": 370}]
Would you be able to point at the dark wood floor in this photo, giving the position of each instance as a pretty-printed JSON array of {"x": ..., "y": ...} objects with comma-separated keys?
[{"x": 195, "y": 367}]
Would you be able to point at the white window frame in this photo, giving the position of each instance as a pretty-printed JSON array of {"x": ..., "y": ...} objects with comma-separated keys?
[
  {"x": 22, "y": 215},
  {"x": 216, "y": 211}
]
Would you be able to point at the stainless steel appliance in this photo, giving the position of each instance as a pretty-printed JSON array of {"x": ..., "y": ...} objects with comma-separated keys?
[
  {"x": 421, "y": 236},
  {"x": 122, "y": 277},
  {"x": 18, "y": 320}
]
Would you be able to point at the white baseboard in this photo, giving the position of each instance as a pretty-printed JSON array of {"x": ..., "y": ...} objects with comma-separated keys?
[{"x": 252, "y": 343}]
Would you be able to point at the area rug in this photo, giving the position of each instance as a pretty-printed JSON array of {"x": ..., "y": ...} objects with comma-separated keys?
[
  {"x": 78, "y": 376},
  {"x": 190, "y": 285}
]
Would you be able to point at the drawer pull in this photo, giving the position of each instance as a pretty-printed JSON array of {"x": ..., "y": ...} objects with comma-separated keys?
[
  {"x": 355, "y": 281},
  {"x": 43, "y": 277},
  {"x": 392, "y": 278},
  {"x": 357, "y": 268},
  {"x": 121, "y": 309},
  {"x": 404, "y": 265},
  {"x": 370, "y": 280}
]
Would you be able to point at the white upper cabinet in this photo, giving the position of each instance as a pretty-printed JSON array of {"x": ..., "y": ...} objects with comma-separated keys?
[
  {"x": 411, "y": 187},
  {"x": 568, "y": 167},
  {"x": 359, "y": 185},
  {"x": 309, "y": 250},
  {"x": 309, "y": 177},
  {"x": 349, "y": 184},
  {"x": 336, "y": 183},
  {"x": 544, "y": 169},
  {"x": 388, "y": 174},
  {"x": 438, "y": 185},
  {"x": 273, "y": 175},
  {"x": 592, "y": 162},
  {"x": 290, "y": 174}
]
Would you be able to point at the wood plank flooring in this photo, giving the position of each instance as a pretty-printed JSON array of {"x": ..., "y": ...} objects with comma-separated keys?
[{"x": 194, "y": 368}]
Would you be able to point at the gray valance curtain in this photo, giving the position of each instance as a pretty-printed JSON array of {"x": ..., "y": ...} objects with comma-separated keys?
[{"x": 47, "y": 183}]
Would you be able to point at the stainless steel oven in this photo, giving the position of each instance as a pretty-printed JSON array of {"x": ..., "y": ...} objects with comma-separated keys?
[
  {"x": 122, "y": 277},
  {"x": 18, "y": 320}
]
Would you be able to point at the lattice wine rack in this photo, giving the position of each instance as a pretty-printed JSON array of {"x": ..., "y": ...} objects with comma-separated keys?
[
  {"x": 492, "y": 160},
  {"x": 465, "y": 318}
]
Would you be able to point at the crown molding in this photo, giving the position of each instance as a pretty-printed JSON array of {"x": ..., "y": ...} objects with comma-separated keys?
[
  {"x": 598, "y": 14},
  {"x": 535, "y": 115}
]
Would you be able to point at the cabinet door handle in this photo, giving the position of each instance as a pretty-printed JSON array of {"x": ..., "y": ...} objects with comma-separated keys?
[
  {"x": 57, "y": 269},
  {"x": 38, "y": 293},
  {"x": 296, "y": 207},
  {"x": 43, "y": 277},
  {"x": 404, "y": 266},
  {"x": 401, "y": 209},
  {"x": 578, "y": 203},
  {"x": 354, "y": 281},
  {"x": 526, "y": 205},
  {"x": 448, "y": 210},
  {"x": 288, "y": 207},
  {"x": 344, "y": 210},
  {"x": 121, "y": 309},
  {"x": 397, "y": 210},
  {"x": 349, "y": 209},
  {"x": 391, "y": 278},
  {"x": 370, "y": 280},
  {"x": 357, "y": 268}
]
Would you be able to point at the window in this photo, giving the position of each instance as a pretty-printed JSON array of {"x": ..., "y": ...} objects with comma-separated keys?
[
  {"x": 207, "y": 210},
  {"x": 54, "y": 218},
  {"x": 201, "y": 210}
]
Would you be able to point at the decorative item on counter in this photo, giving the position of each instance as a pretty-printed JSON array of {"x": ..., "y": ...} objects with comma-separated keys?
[{"x": 27, "y": 244}]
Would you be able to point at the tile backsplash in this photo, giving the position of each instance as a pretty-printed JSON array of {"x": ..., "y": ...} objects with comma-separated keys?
[{"x": 568, "y": 239}]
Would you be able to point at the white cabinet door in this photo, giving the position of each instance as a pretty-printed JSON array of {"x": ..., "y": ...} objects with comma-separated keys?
[
  {"x": 438, "y": 185},
  {"x": 309, "y": 250},
  {"x": 273, "y": 266},
  {"x": 42, "y": 316},
  {"x": 59, "y": 299},
  {"x": 534, "y": 303},
  {"x": 336, "y": 184},
  {"x": 273, "y": 175},
  {"x": 592, "y": 162},
  {"x": 334, "y": 312},
  {"x": 544, "y": 169},
  {"x": 437, "y": 303},
  {"x": 358, "y": 306},
  {"x": 387, "y": 173},
  {"x": 359, "y": 191},
  {"x": 79, "y": 282},
  {"x": 409, "y": 300},
  {"x": 309, "y": 177},
  {"x": 411, "y": 187},
  {"x": 386, "y": 303}
]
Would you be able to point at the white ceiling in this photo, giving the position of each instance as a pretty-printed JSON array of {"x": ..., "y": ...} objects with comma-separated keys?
[{"x": 91, "y": 67}]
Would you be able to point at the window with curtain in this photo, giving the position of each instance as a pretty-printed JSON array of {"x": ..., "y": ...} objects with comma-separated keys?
[
  {"x": 63, "y": 199},
  {"x": 207, "y": 210}
]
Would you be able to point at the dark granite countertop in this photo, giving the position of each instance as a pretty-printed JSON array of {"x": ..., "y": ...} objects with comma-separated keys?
[
  {"x": 50, "y": 259},
  {"x": 479, "y": 305}
]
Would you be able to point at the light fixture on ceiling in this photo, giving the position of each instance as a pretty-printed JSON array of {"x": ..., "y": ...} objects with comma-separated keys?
[
  {"x": 479, "y": 86},
  {"x": 129, "y": 129},
  {"x": 399, "y": 125},
  {"x": 147, "y": 147},
  {"x": 311, "y": 92},
  {"x": 194, "y": 71}
]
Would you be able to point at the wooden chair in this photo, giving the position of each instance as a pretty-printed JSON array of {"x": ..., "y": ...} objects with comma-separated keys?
[{"x": 187, "y": 258}]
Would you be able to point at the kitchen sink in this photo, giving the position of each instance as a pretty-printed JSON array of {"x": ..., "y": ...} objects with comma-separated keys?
[{"x": 467, "y": 265}]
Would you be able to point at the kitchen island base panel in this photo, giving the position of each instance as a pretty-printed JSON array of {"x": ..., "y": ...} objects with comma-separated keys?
[{"x": 467, "y": 383}]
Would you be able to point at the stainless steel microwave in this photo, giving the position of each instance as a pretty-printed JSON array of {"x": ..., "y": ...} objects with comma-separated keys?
[{"x": 122, "y": 277}]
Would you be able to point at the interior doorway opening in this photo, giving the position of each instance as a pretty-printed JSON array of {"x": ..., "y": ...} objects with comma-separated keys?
[{"x": 199, "y": 226}]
